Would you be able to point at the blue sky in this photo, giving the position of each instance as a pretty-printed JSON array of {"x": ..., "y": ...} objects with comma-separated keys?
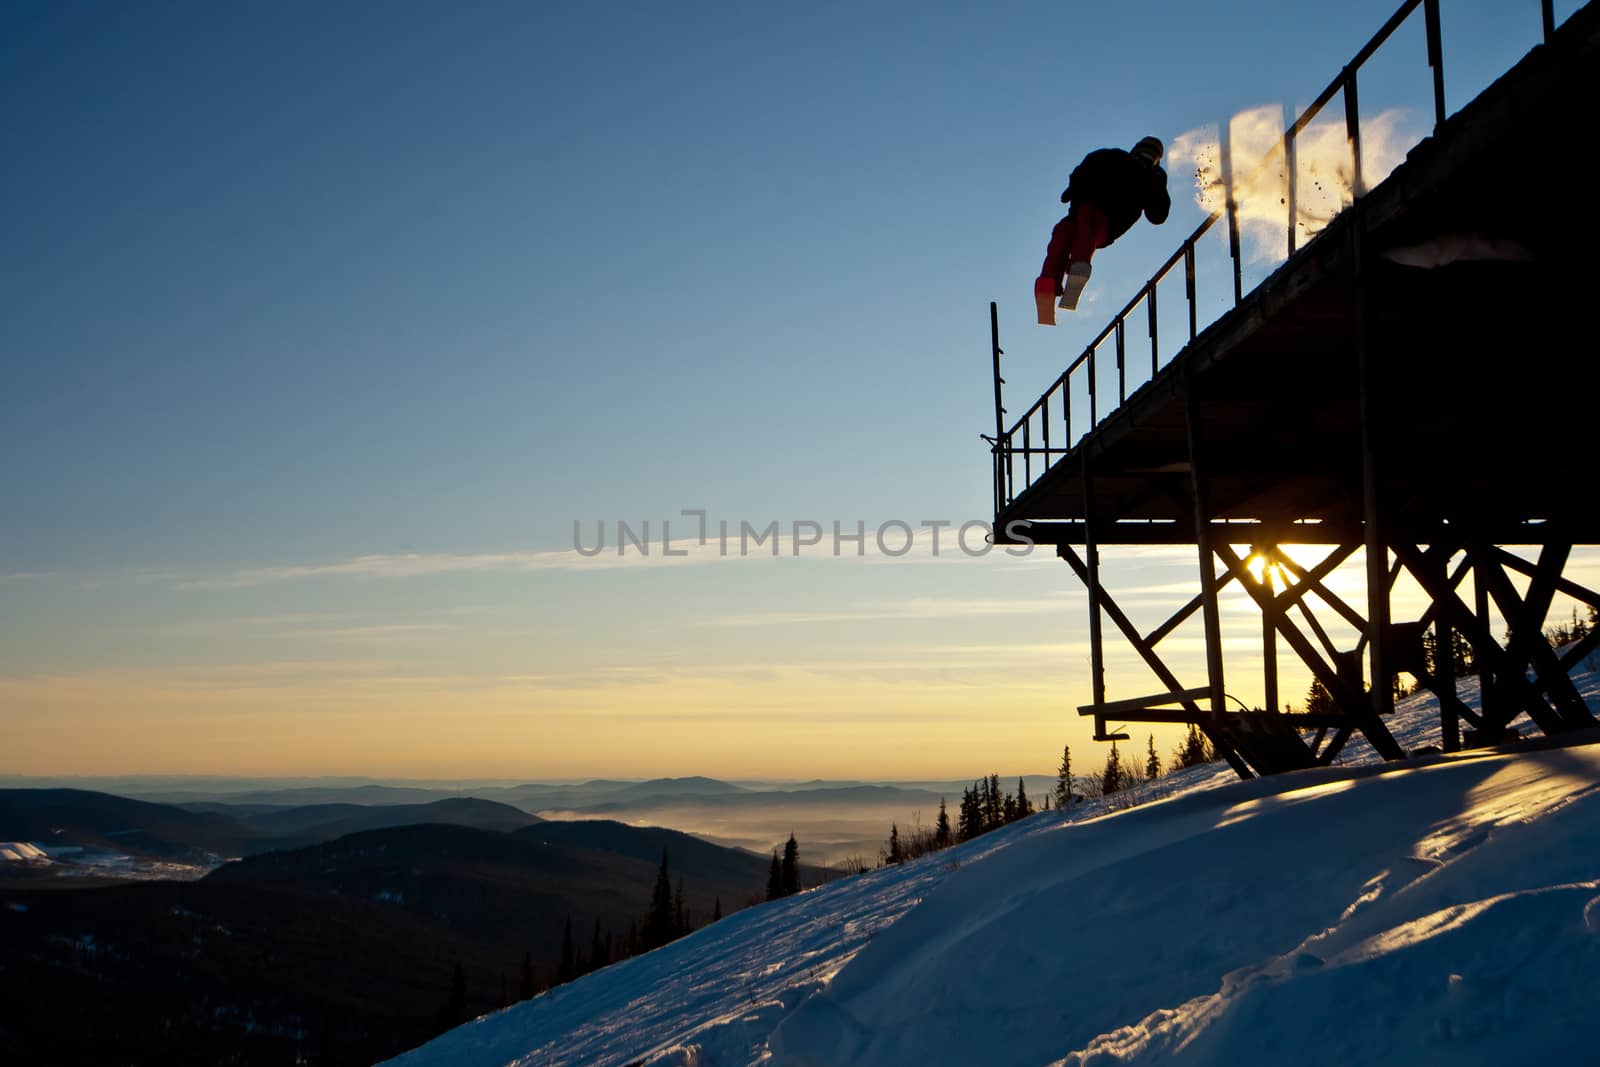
[{"x": 291, "y": 285}]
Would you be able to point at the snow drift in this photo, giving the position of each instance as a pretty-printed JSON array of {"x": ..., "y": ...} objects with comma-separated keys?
[{"x": 1444, "y": 910}]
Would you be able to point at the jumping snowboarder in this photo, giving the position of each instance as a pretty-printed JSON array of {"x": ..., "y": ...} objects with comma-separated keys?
[{"x": 1108, "y": 191}]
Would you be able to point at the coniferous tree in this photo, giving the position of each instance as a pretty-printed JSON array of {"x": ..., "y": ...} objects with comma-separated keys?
[
  {"x": 894, "y": 844},
  {"x": 716, "y": 910},
  {"x": 1111, "y": 777},
  {"x": 1194, "y": 750},
  {"x": 775, "y": 878},
  {"x": 567, "y": 970},
  {"x": 597, "y": 954},
  {"x": 791, "y": 867},
  {"x": 1024, "y": 805},
  {"x": 659, "y": 926},
  {"x": 1008, "y": 809},
  {"x": 1064, "y": 778},
  {"x": 1152, "y": 762},
  {"x": 454, "y": 1012},
  {"x": 680, "y": 913},
  {"x": 941, "y": 831},
  {"x": 525, "y": 989},
  {"x": 968, "y": 821},
  {"x": 996, "y": 814}
]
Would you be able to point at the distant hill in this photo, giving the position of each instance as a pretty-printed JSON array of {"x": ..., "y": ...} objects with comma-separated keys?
[
  {"x": 320, "y": 822},
  {"x": 54, "y": 817},
  {"x": 348, "y": 943}
]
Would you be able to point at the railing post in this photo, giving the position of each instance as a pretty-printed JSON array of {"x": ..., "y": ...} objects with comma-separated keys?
[
  {"x": 1188, "y": 284},
  {"x": 1352, "y": 131},
  {"x": 1000, "y": 480},
  {"x": 1430, "y": 10},
  {"x": 1225, "y": 144},
  {"x": 1027, "y": 454},
  {"x": 1044, "y": 422},
  {"x": 1547, "y": 8},
  {"x": 1094, "y": 406},
  {"x": 1150, "y": 304},
  {"x": 1122, "y": 367},
  {"x": 1066, "y": 405},
  {"x": 1291, "y": 192}
]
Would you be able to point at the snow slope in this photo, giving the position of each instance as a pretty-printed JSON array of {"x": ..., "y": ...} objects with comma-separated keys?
[{"x": 1444, "y": 910}]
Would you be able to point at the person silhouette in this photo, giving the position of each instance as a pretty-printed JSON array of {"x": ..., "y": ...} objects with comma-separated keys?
[{"x": 1108, "y": 192}]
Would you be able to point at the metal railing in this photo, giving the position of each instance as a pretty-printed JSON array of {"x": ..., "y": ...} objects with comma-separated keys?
[{"x": 1005, "y": 444}]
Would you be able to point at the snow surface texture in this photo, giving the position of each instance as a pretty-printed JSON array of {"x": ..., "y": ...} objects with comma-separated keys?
[{"x": 1441, "y": 911}]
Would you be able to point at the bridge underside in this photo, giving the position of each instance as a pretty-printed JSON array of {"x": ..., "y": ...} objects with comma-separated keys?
[{"x": 1424, "y": 418}]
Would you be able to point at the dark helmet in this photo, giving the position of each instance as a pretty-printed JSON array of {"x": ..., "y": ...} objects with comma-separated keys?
[{"x": 1148, "y": 149}]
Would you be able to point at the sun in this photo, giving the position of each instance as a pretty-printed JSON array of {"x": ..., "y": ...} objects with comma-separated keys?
[{"x": 1264, "y": 567}]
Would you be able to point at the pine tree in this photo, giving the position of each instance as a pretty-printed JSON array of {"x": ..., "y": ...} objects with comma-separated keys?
[
  {"x": 1318, "y": 700},
  {"x": 996, "y": 813},
  {"x": 454, "y": 1012},
  {"x": 525, "y": 989},
  {"x": 967, "y": 819},
  {"x": 567, "y": 970},
  {"x": 597, "y": 953},
  {"x": 1194, "y": 750},
  {"x": 680, "y": 913},
  {"x": 659, "y": 926},
  {"x": 1024, "y": 805},
  {"x": 716, "y": 910},
  {"x": 1008, "y": 809},
  {"x": 1064, "y": 778},
  {"x": 941, "y": 831},
  {"x": 1111, "y": 777},
  {"x": 775, "y": 878},
  {"x": 894, "y": 844},
  {"x": 791, "y": 867},
  {"x": 1152, "y": 762}
]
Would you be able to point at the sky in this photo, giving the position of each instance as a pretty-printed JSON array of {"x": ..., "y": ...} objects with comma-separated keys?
[{"x": 322, "y": 326}]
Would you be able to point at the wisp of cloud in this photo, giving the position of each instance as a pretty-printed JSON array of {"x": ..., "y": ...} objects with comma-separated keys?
[{"x": 1324, "y": 171}]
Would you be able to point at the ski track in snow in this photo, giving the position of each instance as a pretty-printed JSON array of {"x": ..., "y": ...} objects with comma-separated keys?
[{"x": 1446, "y": 910}]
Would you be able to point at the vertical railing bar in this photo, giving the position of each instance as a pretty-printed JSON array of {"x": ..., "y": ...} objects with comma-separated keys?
[
  {"x": 1066, "y": 405},
  {"x": 1027, "y": 454},
  {"x": 1430, "y": 10},
  {"x": 1094, "y": 405},
  {"x": 1352, "y": 131},
  {"x": 1044, "y": 422},
  {"x": 1188, "y": 284},
  {"x": 1231, "y": 209},
  {"x": 1547, "y": 8},
  {"x": 1155, "y": 347},
  {"x": 1122, "y": 362},
  {"x": 1290, "y": 197}
]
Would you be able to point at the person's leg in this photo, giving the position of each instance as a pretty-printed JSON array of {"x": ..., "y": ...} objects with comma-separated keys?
[
  {"x": 1047, "y": 286},
  {"x": 1091, "y": 231},
  {"x": 1056, "y": 257}
]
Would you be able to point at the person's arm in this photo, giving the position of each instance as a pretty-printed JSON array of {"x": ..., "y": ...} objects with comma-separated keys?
[{"x": 1157, "y": 203}]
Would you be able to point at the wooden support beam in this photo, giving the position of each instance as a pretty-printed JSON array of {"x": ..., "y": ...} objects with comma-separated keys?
[
  {"x": 1563, "y": 583},
  {"x": 1507, "y": 679},
  {"x": 1377, "y": 733},
  {"x": 1528, "y": 645},
  {"x": 1202, "y": 536},
  {"x": 1186, "y": 697},
  {"x": 1157, "y": 666},
  {"x": 1181, "y": 616}
]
